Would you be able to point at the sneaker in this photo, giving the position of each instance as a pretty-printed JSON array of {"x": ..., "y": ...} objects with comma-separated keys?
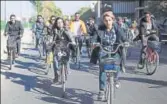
[
  {"x": 140, "y": 65},
  {"x": 123, "y": 69},
  {"x": 117, "y": 84},
  {"x": 101, "y": 96}
]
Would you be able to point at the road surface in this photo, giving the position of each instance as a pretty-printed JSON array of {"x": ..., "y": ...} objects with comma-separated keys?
[{"x": 27, "y": 83}]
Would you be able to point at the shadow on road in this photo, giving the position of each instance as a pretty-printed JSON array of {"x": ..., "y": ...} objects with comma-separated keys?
[
  {"x": 143, "y": 80},
  {"x": 42, "y": 85},
  {"x": 5, "y": 64}
]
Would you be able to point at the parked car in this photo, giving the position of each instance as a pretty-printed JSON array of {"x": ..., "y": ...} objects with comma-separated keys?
[{"x": 163, "y": 31}]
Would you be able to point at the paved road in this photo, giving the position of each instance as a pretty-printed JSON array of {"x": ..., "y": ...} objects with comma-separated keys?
[{"x": 27, "y": 84}]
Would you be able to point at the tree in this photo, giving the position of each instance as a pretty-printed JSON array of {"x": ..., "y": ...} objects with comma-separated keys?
[
  {"x": 85, "y": 13},
  {"x": 38, "y": 5},
  {"x": 158, "y": 8}
]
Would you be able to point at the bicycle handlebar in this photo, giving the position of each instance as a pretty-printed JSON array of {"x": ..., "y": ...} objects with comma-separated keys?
[{"x": 113, "y": 52}]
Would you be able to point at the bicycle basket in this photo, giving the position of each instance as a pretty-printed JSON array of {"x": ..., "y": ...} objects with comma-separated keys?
[{"x": 155, "y": 45}]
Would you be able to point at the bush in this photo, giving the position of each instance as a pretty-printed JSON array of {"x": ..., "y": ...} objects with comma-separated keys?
[{"x": 2, "y": 25}]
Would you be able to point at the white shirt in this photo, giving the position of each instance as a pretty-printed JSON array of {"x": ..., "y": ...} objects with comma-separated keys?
[
  {"x": 149, "y": 26},
  {"x": 77, "y": 28}
]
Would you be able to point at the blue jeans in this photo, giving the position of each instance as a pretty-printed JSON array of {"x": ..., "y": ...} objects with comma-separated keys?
[
  {"x": 102, "y": 74},
  {"x": 57, "y": 67}
]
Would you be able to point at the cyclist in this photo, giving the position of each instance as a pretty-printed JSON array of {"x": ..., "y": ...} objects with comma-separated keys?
[
  {"x": 78, "y": 28},
  {"x": 50, "y": 26},
  {"x": 110, "y": 33},
  {"x": 38, "y": 28},
  {"x": 133, "y": 30},
  {"x": 146, "y": 24},
  {"x": 91, "y": 29},
  {"x": 14, "y": 30},
  {"x": 124, "y": 29},
  {"x": 59, "y": 34}
]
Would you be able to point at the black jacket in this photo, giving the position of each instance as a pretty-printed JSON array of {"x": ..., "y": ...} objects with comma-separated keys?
[
  {"x": 142, "y": 27},
  {"x": 60, "y": 37},
  {"x": 92, "y": 29},
  {"x": 120, "y": 38},
  {"x": 14, "y": 29}
]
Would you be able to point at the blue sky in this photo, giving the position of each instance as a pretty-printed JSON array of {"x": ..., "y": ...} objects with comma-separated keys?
[{"x": 13, "y": 7}]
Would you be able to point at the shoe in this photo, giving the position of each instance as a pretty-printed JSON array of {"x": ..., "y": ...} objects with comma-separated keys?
[
  {"x": 55, "y": 80},
  {"x": 117, "y": 84},
  {"x": 101, "y": 95},
  {"x": 123, "y": 69},
  {"x": 140, "y": 65}
]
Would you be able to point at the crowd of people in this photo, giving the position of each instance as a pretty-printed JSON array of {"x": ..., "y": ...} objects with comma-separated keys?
[{"x": 113, "y": 30}]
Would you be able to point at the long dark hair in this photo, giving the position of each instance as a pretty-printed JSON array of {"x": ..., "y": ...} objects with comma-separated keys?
[
  {"x": 50, "y": 20},
  {"x": 55, "y": 24}
]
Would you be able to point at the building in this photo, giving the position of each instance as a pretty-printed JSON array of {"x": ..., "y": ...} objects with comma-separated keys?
[{"x": 123, "y": 8}]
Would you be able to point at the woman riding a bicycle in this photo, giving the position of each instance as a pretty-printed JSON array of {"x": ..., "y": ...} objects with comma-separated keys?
[
  {"x": 147, "y": 25},
  {"x": 107, "y": 36},
  {"x": 60, "y": 34}
]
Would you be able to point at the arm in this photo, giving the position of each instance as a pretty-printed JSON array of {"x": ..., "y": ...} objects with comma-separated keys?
[
  {"x": 83, "y": 27},
  {"x": 21, "y": 29},
  {"x": 34, "y": 28}
]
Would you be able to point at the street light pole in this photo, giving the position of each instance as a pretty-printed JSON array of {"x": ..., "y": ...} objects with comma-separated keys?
[
  {"x": 5, "y": 11},
  {"x": 99, "y": 9}
]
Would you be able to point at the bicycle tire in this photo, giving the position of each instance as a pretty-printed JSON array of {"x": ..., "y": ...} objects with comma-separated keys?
[
  {"x": 156, "y": 62},
  {"x": 78, "y": 57},
  {"x": 63, "y": 80},
  {"x": 112, "y": 89},
  {"x": 48, "y": 66},
  {"x": 11, "y": 59}
]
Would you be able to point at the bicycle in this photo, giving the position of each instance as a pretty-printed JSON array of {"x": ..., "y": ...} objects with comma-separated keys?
[
  {"x": 11, "y": 45},
  {"x": 41, "y": 45},
  {"x": 151, "y": 56},
  {"x": 62, "y": 57},
  {"x": 49, "y": 53},
  {"x": 111, "y": 68},
  {"x": 89, "y": 45},
  {"x": 76, "y": 58}
]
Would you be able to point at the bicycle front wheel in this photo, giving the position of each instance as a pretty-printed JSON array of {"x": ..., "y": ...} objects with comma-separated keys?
[
  {"x": 63, "y": 80},
  {"x": 11, "y": 59},
  {"x": 110, "y": 90},
  {"x": 152, "y": 62}
]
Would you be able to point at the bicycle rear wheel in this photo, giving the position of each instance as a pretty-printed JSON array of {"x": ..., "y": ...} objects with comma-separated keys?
[{"x": 152, "y": 61}]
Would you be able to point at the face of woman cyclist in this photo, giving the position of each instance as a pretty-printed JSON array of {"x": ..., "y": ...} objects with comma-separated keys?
[
  {"x": 108, "y": 21},
  {"x": 53, "y": 20},
  {"x": 147, "y": 17},
  {"x": 60, "y": 23}
]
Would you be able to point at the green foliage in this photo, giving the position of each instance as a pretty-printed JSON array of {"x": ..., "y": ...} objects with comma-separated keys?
[
  {"x": 3, "y": 24},
  {"x": 47, "y": 9},
  {"x": 38, "y": 6},
  {"x": 85, "y": 13}
]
